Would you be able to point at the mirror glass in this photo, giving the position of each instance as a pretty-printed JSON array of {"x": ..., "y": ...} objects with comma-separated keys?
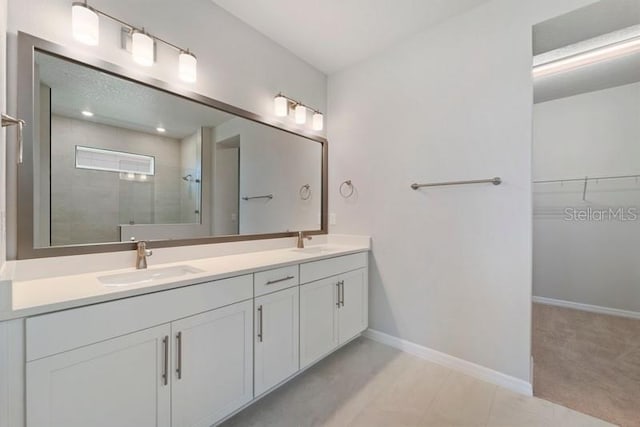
[{"x": 116, "y": 160}]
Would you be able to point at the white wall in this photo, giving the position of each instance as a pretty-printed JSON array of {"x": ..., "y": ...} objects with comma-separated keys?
[
  {"x": 226, "y": 187},
  {"x": 3, "y": 147},
  {"x": 236, "y": 64},
  {"x": 593, "y": 134},
  {"x": 589, "y": 262},
  {"x": 278, "y": 163},
  {"x": 451, "y": 267}
]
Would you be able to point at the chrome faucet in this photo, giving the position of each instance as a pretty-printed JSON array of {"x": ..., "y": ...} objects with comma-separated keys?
[
  {"x": 301, "y": 238},
  {"x": 142, "y": 254}
]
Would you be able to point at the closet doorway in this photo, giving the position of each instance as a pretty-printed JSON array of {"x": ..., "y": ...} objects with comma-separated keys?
[{"x": 586, "y": 210}]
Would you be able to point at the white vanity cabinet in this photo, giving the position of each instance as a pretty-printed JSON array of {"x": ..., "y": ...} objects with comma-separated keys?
[
  {"x": 193, "y": 355},
  {"x": 118, "y": 382},
  {"x": 189, "y": 371},
  {"x": 333, "y": 310},
  {"x": 318, "y": 320},
  {"x": 212, "y": 373},
  {"x": 276, "y": 338},
  {"x": 353, "y": 310}
]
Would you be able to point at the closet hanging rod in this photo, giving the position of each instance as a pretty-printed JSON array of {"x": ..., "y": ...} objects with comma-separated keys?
[
  {"x": 495, "y": 181},
  {"x": 266, "y": 196},
  {"x": 595, "y": 178}
]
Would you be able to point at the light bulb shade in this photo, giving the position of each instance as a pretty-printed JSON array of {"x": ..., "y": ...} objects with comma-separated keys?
[
  {"x": 301, "y": 114},
  {"x": 142, "y": 49},
  {"x": 318, "y": 121},
  {"x": 281, "y": 106},
  {"x": 85, "y": 24},
  {"x": 187, "y": 67}
]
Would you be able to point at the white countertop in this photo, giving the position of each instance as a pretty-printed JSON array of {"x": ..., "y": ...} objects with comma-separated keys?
[{"x": 48, "y": 294}]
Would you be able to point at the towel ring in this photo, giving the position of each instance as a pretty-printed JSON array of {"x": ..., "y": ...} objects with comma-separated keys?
[
  {"x": 349, "y": 191},
  {"x": 305, "y": 192}
]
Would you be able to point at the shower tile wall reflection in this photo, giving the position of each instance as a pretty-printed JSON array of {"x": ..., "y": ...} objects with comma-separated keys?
[{"x": 88, "y": 205}]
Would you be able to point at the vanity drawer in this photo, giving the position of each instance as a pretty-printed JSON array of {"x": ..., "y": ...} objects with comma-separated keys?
[
  {"x": 316, "y": 270},
  {"x": 65, "y": 330},
  {"x": 265, "y": 282}
]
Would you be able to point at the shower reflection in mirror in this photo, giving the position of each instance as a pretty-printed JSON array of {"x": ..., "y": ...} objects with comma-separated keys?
[{"x": 116, "y": 159}]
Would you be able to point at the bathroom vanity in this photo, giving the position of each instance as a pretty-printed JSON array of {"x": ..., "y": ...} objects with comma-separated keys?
[
  {"x": 188, "y": 350},
  {"x": 229, "y": 308}
]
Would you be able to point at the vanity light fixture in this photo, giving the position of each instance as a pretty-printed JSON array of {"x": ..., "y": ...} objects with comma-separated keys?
[
  {"x": 85, "y": 23},
  {"x": 85, "y": 27},
  {"x": 301, "y": 114},
  {"x": 142, "y": 48},
  {"x": 187, "y": 66},
  {"x": 578, "y": 56},
  {"x": 87, "y": 113},
  {"x": 282, "y": 104},
  {"x": 318, "y": 121}
]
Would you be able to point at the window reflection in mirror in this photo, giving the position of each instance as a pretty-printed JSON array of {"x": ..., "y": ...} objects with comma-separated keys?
[{"x": 115, "y": 160}]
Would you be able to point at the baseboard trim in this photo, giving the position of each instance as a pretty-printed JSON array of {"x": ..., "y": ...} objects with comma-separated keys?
[
  {"x": 451, "y": 362},
  {"x": 587, "y": 307}
]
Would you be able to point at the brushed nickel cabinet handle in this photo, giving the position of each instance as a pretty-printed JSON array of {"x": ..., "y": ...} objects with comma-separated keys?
[
  {"x": 271, "y": 282},
  {"x": 165, "y": 368},
  {"x": 338, "y": 299},
  {"x": 179, "y": 357},
  {"x": 260, "y": 323},
  {"x": 342, "y": 292}
]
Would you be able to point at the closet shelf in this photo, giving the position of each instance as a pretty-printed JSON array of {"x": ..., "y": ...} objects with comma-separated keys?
[{"x": 586, "y": 178}]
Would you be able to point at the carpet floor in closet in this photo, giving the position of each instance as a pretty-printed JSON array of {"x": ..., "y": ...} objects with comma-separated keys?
[{"x": 588, "y": 362}]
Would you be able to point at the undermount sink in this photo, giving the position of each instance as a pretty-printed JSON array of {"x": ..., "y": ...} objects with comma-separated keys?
[
  {"x": 146, "y": 276},
  {"x": 315, "y": 250}
]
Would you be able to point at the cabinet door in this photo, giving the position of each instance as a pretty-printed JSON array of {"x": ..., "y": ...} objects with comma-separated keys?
[
  {"x": 118, "y": 382},
  {"x": 276, "y": 338},
  {"x": 213, "y": 365},
  {"x": 318, "y": 320},
  {"x": 352, "y": 315}
]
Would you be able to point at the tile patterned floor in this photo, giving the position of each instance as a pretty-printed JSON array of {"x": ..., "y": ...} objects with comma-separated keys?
[
  {"x": 589, "y": 362},
  {"x": 373, "y": 385}
]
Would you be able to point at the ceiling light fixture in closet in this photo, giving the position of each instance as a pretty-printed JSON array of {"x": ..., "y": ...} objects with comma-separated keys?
[
  {"x": 585, "y": 53},
  {"x": 85, "y": 26},
  {"x": 282, "y": 104}
]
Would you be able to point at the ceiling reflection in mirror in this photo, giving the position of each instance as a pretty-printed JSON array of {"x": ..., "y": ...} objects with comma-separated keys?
[{"x": 115, "y": 161}]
